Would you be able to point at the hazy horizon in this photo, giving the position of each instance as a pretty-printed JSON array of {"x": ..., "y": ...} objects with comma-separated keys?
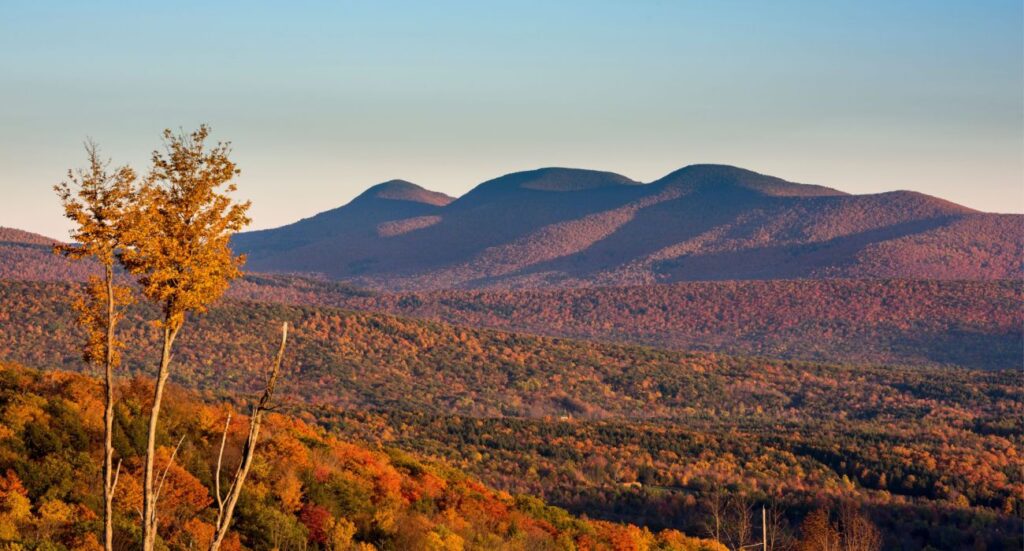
[{"x": 324, "y": 100}]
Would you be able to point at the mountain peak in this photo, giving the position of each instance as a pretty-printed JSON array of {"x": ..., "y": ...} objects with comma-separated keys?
[
  {"x": 555, "y": 179},
  {"x": 401, "y": 190},
  {"x": 718, "y": 177}
]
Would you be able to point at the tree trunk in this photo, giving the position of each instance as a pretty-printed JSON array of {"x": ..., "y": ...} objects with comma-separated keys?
[
  {"x": 108, "y": 421},
  {"x": 226, "y": 507},
  {"x": 149, "y": 495}
]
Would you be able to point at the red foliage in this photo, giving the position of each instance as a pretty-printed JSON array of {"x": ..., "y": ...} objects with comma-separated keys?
[{"x": 317, "y": 520}]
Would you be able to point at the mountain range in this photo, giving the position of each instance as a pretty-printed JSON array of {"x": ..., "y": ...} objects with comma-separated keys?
[{"x": 572, "y": 227}]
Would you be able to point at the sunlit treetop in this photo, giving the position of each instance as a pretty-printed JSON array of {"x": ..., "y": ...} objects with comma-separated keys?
[
  {"x": 96, "y": 200},
  {"x": 179, "y": 229}
]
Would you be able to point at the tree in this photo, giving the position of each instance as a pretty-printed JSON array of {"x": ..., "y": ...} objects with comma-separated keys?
[
  {"x": 178, "y": 246},
  {"x": 96, "y": 200},
  {"x": 778, "y": 536},
  {"x": 226, "y": 505},
  {"x": 716, "y": 505},
  {"x": 739, "y": 524},
  {"x": 819, "y": 533},
  {"x": 859, "y": 533},
  {"x": 15, "y": 506}
]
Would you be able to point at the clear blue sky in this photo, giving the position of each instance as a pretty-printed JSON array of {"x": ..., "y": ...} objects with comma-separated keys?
[{"x": 323, "y": 99}]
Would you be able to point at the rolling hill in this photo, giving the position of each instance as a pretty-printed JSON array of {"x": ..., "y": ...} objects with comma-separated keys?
[
  {"x": 571, "y": 227},
  {"x": 975, "y": 324},
  {"x": 28, "y": 256}
]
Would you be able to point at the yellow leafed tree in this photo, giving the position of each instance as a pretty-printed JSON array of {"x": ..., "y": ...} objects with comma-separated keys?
[
  {"x": 177, "y": 240},
  {"x": 97, "y": 200}
]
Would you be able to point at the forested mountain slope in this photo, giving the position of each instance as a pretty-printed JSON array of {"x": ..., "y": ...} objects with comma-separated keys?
[
  {"x": 29, "y": 257},
  {"x": 978, "y": 324},
  {"x": 974, "y": 324},
  {"x": 572, "y": 227}
]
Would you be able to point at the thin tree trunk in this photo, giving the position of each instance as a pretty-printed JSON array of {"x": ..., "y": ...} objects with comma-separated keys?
[
  {"x": 148, "y": 491},
  {"x": 226, "y": 507},
  {"x": 108, "y": 421},
  {"x": 220, "y": 460}
]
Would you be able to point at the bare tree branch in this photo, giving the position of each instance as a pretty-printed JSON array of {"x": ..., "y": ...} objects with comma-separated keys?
[
  {"x": 220, "y": 457},
  {"x": 117, "y": 475},
  {"x": 163, "y": 478},
  {"x": 227, "y": 509}
]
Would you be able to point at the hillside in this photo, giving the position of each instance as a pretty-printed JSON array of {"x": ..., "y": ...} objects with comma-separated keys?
[
  {"x": 359, "y": 359},
  {"x": 14, "y": 236},
  {"x": 583, "y": 423},
  {"x": 379, "y": 212},
  {"x": 29, "y": 256},
  {"x": 571, "y": 227},
  {"x": 309, "y": 490},
  {"x": 977, "y": 324}
]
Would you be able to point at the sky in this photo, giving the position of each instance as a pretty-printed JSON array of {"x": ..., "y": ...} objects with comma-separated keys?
[{"x": 324, "y": 99}]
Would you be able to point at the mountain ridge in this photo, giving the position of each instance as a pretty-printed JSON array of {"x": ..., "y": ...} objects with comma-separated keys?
[
  {"x": 569, "y": 227},
  {"x": 21, "y": 237},
  {"x": 704, "y": 176}
]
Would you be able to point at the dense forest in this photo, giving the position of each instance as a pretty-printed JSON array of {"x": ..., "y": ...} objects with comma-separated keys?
[
  {"x": 668, "y": 473},
  {"x": 308, "y": 490},
  {"x": 618, "y": 431},
  {"x": 975, "y": 324},
  {"x": 965, "y": 323}
]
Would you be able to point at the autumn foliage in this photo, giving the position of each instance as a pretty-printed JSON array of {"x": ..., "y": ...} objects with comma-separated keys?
[
  {"x": 178, "y": 233},
  {"x": 308, "y": 490},
  {"x": 905, "y": 321},
  {"x": 629, "y": 432}
]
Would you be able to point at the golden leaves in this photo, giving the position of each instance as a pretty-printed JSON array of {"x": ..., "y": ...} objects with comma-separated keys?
[
  {"x": 93, "y": 317},
  {"x": 172, "y": 231},
  {"x": 96, "y": 199},
  {"x": 179, "y": 228}
]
